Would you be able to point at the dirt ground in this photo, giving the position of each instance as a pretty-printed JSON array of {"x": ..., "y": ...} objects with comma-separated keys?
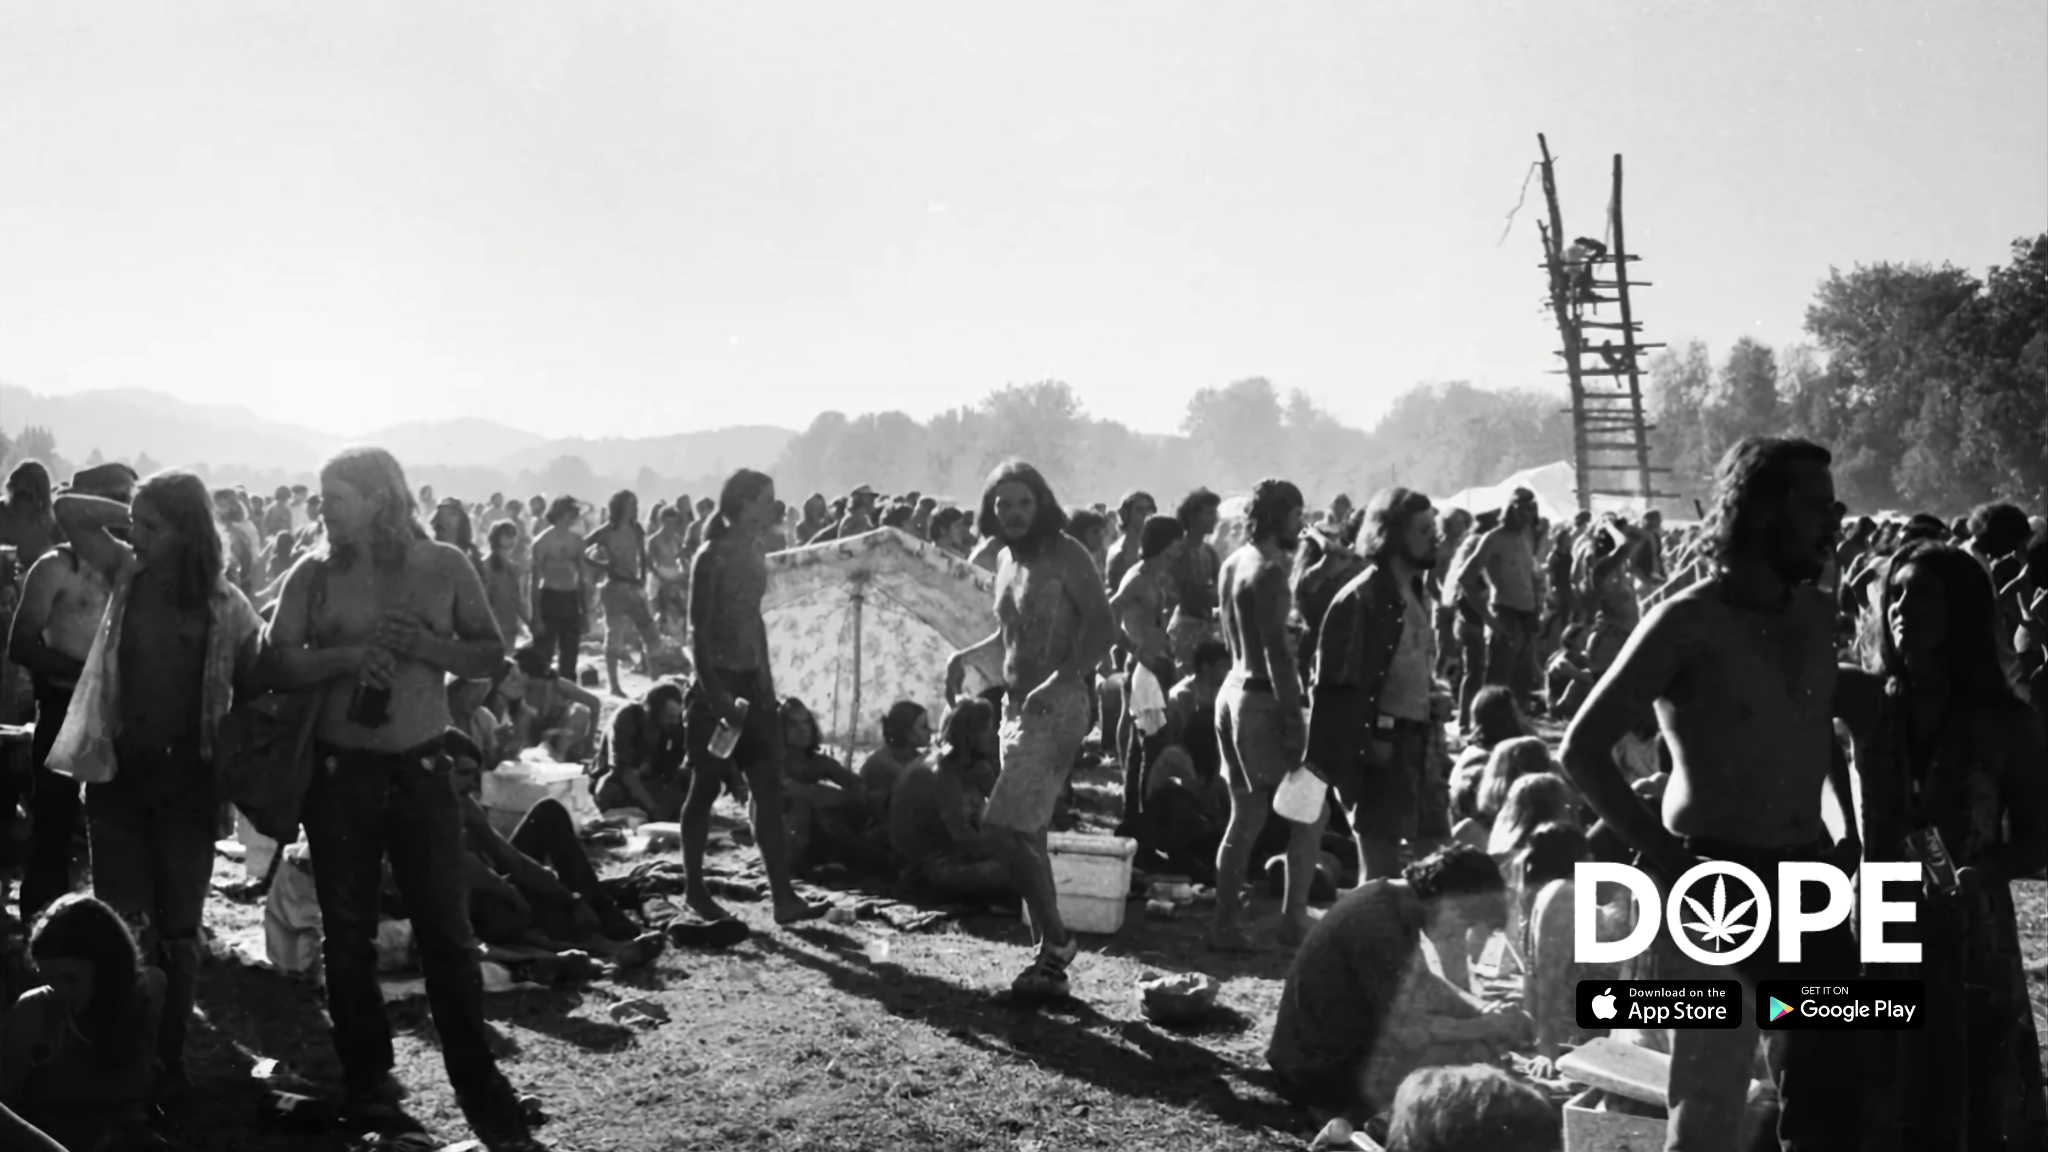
[{"x": 830, "y": 1037}]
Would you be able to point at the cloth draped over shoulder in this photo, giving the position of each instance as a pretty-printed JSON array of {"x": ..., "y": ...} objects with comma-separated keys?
[{"x": 231, "y": 622}]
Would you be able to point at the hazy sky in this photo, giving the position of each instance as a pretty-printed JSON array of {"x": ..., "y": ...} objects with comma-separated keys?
[{"x": 637, "y": 217}]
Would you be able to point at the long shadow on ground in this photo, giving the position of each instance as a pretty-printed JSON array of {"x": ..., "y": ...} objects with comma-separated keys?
[{"x": 1061, "y": 1037}]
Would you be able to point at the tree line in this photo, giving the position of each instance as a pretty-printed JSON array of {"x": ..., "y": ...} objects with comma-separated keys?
[{"x": 1930, "y": 385}]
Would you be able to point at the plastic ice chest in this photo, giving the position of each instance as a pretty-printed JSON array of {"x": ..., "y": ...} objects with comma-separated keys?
[
  {"x": 1092, "y": 877},
  {"x": 518, "y": 785}
]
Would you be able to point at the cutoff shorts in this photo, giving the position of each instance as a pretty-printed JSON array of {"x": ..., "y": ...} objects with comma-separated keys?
[
  {"x": 626, "y": 615},
  {"x": 1248, "y": 733},
  {"x": 1039, "y": 743}
]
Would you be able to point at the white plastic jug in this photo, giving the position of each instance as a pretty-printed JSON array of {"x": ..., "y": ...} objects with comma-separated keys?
[{"x": 1300, "y": 796}]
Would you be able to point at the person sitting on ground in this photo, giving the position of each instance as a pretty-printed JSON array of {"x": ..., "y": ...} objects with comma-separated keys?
[
  {"x": 935, "y": 816},
  {"x": 906, "y": 730},
  {"x": 641, "y": 763},
  {"x": 1475, "y": 1108},
  {"x": 1510, "y": 762},
  {"x": 1362, "y": 1008},
  {"x": 1187, "y": 801},
  {"x": 78, "y": 1055},
  {"x": 535, "y": 892},
  {"x": 822, "y": 800},
  {"x": 1535, "y": 799},
  {"x": 534, "y": 707},
  {"x": 1542, "y": 889}
]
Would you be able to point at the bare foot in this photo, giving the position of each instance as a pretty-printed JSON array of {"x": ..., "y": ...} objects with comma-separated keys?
[
  {"x": 797, "y": 911},
  {"x": 705, "y": 907}
]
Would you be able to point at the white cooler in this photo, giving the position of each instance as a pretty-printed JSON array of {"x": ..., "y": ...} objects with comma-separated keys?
[
  {"x": 517, "y": 785},
  {"x": 1092, "y": 876}
]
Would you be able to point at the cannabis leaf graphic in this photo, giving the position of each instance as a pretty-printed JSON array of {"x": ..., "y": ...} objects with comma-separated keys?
[{"x": 1720, "y": 924}]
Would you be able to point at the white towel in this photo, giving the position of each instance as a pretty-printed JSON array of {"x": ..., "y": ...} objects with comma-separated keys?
[{"x": 1148, "y": 700}]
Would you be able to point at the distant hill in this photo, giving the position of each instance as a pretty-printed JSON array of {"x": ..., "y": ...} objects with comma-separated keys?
[
  {"x": 236, "y": 443},
  {"x": 682, "y": 454},
  {"x": 125, "y": 422}
]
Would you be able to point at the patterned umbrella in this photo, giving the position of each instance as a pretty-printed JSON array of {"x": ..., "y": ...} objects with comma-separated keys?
[{"x": 856, "y": 625}]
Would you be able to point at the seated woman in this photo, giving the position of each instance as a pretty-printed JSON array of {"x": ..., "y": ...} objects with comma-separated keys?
[
  {"x": 78, "y": 1055},
  {"x": 1362, "y": 1006},
  {"x": 1186, "y": 801},
  {"x": 536, "y": 894},
  {"x": 640, "y": 764},
  {"x": 1496, "y": 719},
  {"x": 532, "y": 707},
  {"x": 906, "y": 729},
  {"x": 1509, "y": 761},
  {"x": 1543, "y": 892},
  {"x": 935, "y": 817},
  {"x": 823, "y": 801}
]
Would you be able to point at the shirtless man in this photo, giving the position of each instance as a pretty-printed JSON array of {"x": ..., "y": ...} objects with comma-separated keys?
[
  {"x": 729, "y": 645},
  {"x": 1259, "y": 719},
  {"x": 558, "y": 580},
  {"x": 671, "y": 569},
  {"x": 382, "y": 610},
  {"x": 619, "y": 549},
  {"x": 1113, "y": 686},
  {"x": 62, "y": 601},
  {"x": 1741, "y": 671},
  {"x": 1499, "y": 581},
  {"x": 1194, "y": 616},
  {"x": 1141, "y": 606},
  {"x": 26, "y": 522},
  {"x": 1053, "y": 627}
]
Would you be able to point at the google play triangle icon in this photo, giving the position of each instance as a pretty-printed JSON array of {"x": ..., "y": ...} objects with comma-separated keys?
[{"x": 1779, "y": 1009}]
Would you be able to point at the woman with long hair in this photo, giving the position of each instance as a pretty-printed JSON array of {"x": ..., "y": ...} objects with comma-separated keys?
[
  {"x": 1947, "y": 753},
  {"x": 453, "y": 526},
  {"x": 934, "y": 825},
  {"x": 179, "y": 639},
  {"x": 821, "y": 799},
  {"x": 375, "y": 626},
  {"x": 78, "y": 1052}
]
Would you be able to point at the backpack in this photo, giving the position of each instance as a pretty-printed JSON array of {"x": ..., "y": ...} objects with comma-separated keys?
[{"x": 263, "y": 752}]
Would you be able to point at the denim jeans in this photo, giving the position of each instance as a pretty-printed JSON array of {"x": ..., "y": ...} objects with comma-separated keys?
[
  {"x": 54, "y": 811},
  {"x": 152, "y": 862},
  {"x": 361, "y": 806}
]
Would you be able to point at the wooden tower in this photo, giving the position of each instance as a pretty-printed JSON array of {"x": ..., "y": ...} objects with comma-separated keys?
[{"x": 1610, "y": 436}]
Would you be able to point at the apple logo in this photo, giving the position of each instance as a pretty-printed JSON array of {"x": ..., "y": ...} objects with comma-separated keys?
[{"x": 1603, "y": 1005}]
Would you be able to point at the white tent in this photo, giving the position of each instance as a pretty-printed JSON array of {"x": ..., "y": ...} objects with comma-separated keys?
[
  {"x": 1556, "y": 491},
  {"x": 856, "y": 625}
]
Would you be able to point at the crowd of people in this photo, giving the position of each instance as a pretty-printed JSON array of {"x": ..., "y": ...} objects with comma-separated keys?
[{"x": 1769, "y": 684}]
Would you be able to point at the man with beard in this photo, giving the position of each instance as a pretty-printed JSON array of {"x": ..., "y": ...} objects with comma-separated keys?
[
  {"x": 1259, "y": 723},
  {"x": 1740, "y": 670},
  {"x": 1375, "y": 697},
  {"x": 1054, "y": 627}
]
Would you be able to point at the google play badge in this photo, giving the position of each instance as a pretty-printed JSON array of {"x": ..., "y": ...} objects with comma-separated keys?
[{"x": 1779, "y": 1009}]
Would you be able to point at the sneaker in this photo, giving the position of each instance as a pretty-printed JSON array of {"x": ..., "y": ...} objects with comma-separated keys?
[{"x": 1046, "y": 979}]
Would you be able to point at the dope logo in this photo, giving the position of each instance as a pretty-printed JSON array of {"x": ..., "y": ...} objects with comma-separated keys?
[
  {"x": 1718, "y": 923},
  {"x": 1710, "y": 922}
]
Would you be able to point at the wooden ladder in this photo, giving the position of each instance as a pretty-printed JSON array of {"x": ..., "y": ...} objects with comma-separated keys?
[{"x": 1610, "y": 434}]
